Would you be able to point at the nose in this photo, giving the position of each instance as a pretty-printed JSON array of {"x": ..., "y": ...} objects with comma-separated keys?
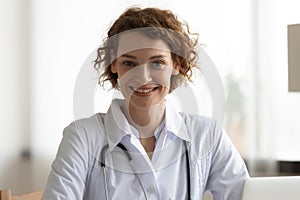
[{"x": 145, "y": 73}]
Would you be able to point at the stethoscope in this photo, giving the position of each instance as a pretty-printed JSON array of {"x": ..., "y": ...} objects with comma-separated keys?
[{"x": 124, "y": 149}]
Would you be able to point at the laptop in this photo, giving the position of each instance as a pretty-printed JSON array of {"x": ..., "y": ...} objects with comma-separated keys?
[{"x": 272, "y": 188}]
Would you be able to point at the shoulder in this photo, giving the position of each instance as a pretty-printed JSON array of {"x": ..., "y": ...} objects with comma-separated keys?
[
  {"x": 88, "y": 131},
  {"x": 89, "y": 124},
  {"x": 204, "y": 132},
  {"x": 199, "y": 122},
  {"x": 200, "y": 126}
]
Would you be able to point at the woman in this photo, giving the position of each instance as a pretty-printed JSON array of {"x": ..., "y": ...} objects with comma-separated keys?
[{"x": 142, "y": 148}]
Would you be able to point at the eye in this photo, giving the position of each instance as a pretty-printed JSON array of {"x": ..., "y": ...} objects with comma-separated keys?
[
  {"x": 129, "y": 64},
  {"x": 158, "y": 65}
]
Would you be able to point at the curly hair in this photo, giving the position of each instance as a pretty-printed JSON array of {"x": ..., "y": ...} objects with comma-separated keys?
[{"x": 175, "y": 34}]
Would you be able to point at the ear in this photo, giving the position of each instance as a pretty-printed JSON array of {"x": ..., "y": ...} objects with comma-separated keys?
[
  {"x": 175, "y": 70},
  {"x": 113, "y": 67}
]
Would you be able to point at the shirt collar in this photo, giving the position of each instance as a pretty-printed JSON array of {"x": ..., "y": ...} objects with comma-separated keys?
[
  {"x": 157, "y": 131},
  {"x": 175, "y": 122},
  {"x": 117, "y": 126}
]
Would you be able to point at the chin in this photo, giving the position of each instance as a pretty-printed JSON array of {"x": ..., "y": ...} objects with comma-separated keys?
[{"x": 145, "y": 104}]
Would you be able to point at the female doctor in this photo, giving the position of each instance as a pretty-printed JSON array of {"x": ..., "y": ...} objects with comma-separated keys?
[{"x": 142, "y": 148}]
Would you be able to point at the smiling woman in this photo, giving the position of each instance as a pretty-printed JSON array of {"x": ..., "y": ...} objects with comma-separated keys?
[
  {"x": 144, "y": 77},
  {"x": 140, "y": 147}
]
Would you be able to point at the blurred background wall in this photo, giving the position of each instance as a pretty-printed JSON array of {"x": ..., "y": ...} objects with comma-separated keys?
[{"x": 44, "y": 44}]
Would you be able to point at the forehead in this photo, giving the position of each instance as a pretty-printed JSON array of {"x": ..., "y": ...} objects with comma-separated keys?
[{"x": 133, "y": 41}]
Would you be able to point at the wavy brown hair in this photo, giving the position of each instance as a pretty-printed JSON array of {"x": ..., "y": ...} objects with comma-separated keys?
[{"x": 175, "y": 33}]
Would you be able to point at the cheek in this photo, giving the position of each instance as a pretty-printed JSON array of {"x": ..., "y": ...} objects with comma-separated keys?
[
  {"x": 121, "y": 72},
  {"x": 162, "y": 77},
  {"x": 137, "y": 76},
  {"x": 127, "y": 78},
  {"x": 127, "y": 75}
]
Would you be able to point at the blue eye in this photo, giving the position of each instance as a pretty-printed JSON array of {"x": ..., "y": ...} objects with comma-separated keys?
[
  {"x": 157, "y": 65},
  {"x": 128, "y": 63}
]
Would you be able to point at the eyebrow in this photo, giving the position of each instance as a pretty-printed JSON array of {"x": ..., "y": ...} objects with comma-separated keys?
[{"x": 151, "y": 58}]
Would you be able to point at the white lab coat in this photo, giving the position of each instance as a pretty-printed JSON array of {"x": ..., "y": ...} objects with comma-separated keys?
[{"x": 215, "y": 165}]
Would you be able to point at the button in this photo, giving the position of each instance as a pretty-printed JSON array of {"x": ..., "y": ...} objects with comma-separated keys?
[{"x": 151, "y": 189}]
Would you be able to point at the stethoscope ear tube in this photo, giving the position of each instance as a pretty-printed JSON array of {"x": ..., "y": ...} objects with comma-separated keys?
[
  {"x": 102, "y": 164},
  {"x": 102, "y": 156},
  {"x": 188, "y": 172},
  {"x": 105, "y": 181},
  {"x": 125, "y": 151},
  {"x": 104, "y": 149}
]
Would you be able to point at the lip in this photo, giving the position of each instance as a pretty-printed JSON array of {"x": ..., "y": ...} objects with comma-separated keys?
[{"x": 144, "y": 91}]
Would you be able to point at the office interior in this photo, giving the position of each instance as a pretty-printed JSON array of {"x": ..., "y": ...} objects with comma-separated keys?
[{"x": 45, "y": 46}]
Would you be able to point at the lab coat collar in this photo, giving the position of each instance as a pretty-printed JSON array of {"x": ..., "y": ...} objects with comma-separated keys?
[
  {"x": 175, "y": 123},
  {"x": 117, "y": 126}
]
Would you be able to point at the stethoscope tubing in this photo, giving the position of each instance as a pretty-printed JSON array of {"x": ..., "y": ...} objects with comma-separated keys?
[
  {"x": 121, "y": 146},
  {"x": 188, "y": 172}
]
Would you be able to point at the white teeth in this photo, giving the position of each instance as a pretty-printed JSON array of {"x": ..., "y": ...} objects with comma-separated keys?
[{"x": 143, "y": 91}]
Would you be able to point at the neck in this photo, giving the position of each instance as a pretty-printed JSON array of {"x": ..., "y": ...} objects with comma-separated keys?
[{"x": 145, "y": 120}]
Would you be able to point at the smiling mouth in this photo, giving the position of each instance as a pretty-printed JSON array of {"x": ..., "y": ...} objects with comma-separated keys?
[{"x": 144, "y": 90}]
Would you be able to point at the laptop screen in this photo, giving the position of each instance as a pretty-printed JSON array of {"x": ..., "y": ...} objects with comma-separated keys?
[{"x": 273, "y": 188}]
